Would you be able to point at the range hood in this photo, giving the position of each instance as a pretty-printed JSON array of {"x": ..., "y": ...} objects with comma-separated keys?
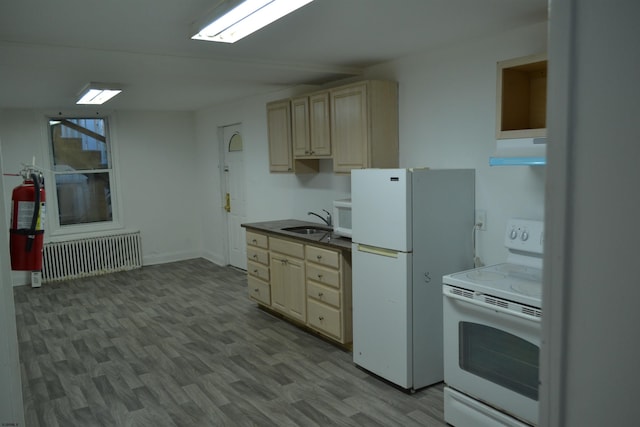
[{"x": 520, "y": 152}]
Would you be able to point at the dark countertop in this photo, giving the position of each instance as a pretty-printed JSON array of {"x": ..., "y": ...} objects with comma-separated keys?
[{"x": 324, "y": 239}]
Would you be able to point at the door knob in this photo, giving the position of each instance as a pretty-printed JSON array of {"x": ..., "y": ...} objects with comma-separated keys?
[{"x": 227, "y": 206}]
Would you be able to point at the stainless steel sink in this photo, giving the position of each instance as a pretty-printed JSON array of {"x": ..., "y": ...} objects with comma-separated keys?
[{"x": 307, "y": 230}]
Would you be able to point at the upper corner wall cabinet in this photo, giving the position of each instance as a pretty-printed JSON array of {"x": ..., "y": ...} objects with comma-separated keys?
[
  {"x": 364, "y": 125},
  {"x": 356, "y": 125},
  {"x": 279, "y": 136},
  {"x": 522, "y": 97}
]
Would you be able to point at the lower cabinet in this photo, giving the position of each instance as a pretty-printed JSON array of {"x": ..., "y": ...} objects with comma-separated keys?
[
  {"x": 287, "y": 278},
  {"x": 306, "y": 283},
  {"x": 329, "y": 292},
  {"x": 258, "y": 273}
]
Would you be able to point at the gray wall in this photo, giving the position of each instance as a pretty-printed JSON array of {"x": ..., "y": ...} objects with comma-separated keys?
[{"x": 591, "y": 350}]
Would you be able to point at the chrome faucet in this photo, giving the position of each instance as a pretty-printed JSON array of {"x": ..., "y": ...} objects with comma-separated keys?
[{"x": 326, "y": 220}]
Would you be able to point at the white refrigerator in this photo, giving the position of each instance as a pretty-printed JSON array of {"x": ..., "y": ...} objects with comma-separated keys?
[{"x": 410, "y": 227}]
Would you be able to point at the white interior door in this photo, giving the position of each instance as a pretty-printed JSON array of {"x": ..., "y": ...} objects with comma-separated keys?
[{"x": 234, "y": 195}]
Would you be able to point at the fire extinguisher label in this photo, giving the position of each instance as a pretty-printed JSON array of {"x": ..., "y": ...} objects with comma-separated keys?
[{"x": 25, "y": 215}]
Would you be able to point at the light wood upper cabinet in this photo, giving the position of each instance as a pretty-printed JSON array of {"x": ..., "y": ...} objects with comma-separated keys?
[
  {"x": 319, "y": 124},
  {"x": 364, "y": 125},
  {"x": 300, "y": 126},
  {"x": 522, "y": 97},
  {"x": 279, "y": 135},
  {"x": 310, "y": 126}
]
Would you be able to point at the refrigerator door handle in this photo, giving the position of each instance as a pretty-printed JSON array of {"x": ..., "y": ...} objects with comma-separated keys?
[{"x": 377, "y": 251}]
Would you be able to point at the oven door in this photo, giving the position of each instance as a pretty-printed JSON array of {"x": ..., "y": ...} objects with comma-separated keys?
[{"x": 491, "y": 351}]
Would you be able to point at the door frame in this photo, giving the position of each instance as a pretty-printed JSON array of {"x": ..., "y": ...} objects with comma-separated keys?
[{"x": 222, "y": 148}]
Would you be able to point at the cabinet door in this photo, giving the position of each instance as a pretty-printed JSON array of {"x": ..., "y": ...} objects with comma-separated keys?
[
  {"x": 300, "y": 127},
  {"x": 296, "y": 290},
  {"x": 278, "y": 283},
  {"x": 349, "y": 127},
  {"x": 288, "y": 290},
  {"x": 279, "y": 134},
  {"x": 319, "y": 124}
]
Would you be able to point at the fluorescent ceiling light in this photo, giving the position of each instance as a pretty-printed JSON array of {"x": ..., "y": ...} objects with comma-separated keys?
[
  {"x": 231, "y": 23},
  {"x": 97, "y": 93}
]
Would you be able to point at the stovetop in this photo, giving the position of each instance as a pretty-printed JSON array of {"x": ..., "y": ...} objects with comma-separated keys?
[
  {"x": 513, "y": 282},
  {"x": 519, "y": 279}
]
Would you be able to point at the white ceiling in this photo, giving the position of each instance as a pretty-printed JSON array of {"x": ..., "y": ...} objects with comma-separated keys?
[{"x": 49, "y": 49}]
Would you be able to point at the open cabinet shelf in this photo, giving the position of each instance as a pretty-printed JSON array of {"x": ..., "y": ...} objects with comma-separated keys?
[{"x": 522, "y": 97}]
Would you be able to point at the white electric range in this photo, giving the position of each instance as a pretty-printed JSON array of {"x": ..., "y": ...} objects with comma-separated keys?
[{"x": 492, "y": 335}]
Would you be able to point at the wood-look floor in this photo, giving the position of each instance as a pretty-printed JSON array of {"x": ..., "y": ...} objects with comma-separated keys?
[{"x": 180, "y": 344}]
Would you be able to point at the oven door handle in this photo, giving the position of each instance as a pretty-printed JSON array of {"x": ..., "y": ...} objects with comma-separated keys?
[{"x": 493, "y": 307}]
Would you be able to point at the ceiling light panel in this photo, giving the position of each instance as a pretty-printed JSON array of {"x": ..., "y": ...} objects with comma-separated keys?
[{"x": 246, "y": 18}]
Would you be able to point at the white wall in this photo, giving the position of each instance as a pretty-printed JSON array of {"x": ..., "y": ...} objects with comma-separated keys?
[
  {"x": 448, "y": 120},
  {"x": 155, "y": 154},
  {"x": 269, "y": 195},
  {"x": 159, "y": 186},
  {"x": 169, "y": 162},
  {"x": 11, "y": 410},
  {"x": 589, "y": 362},
  {"x": 447, "y": 104}
]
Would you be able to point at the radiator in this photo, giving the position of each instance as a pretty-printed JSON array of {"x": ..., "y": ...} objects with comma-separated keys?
[{"x": 92, "y": 256}]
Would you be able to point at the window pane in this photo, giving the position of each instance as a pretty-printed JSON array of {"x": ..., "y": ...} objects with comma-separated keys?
[
  {"x": 500, "y": 357},
  {"x": 83, "y": 197},
  {"x": 79, "y": 144}
]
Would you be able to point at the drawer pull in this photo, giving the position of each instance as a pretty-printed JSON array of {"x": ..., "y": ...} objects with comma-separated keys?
[
  {"x": 319, "y": 257},
  {"x": 320, "y": 294},
  {"x": 254, "y": 241},
  {"x": 321, "y": 318},
  {"x": 256, "y": 290},
  {"x": 255, "y": 256},
  {"x": 319, "y": 276},
  {"x": 255, "y": 271}
]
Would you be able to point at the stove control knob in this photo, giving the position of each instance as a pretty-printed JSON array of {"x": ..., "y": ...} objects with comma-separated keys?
[
  {"x": 525, "y": 236},
  {"x": 513, "y": 234}
]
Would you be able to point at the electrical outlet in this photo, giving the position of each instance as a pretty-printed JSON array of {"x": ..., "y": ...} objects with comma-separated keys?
[{"x": 481, "y": 219}]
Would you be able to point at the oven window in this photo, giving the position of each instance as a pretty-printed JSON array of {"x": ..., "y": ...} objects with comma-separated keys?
[{"x": 499, "y": 357}]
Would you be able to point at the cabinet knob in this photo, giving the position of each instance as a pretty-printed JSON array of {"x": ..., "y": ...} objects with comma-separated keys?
[
  {"x": 256, "y": 290},
  {"x": 321, "y": 318},
  {"x": 319, "y": 256},
  {"x": 255, "y": 256},
  {"x": 319, "y": 276},
  {"x": 255, "y": 271},
  {"x": 320, "y": 294},
  {"x": 254, "y": 241}
]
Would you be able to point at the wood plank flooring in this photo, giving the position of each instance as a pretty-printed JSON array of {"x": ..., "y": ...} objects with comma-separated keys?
[{"x": 180, "y": 344}]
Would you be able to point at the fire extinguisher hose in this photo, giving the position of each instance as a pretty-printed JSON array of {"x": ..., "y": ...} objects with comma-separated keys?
[{"x": 36, "y": 212}]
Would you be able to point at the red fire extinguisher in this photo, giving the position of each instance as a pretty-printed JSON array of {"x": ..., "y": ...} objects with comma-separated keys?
[{"x": 27, "y": 222}]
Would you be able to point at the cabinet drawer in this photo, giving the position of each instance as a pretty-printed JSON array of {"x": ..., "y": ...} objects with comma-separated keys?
[
  {"x": 323, "y": 256},
  {"x": 325, "y": 294},
  {"x": 324, "y": 275},
  {"x": 259, "y": 290},
  {"x": 255, "y": 239},
  {"x": 324, "y": 318},
  {"x": 258, "y": 255},
  {"x": 258, "y": 270},
  {"x": 286, "y": 247}
]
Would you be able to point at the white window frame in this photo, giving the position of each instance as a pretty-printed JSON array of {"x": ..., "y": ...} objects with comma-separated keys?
[{"x": 55, "y": 231}]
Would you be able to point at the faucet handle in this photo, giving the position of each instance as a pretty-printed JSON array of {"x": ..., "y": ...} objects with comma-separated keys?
[{"x": 329, "y": 222}]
